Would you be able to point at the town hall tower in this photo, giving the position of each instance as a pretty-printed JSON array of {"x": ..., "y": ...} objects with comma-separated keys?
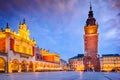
[{"x": 91, "y": 58}]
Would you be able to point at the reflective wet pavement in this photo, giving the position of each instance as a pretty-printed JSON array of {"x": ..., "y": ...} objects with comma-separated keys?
[{"x": 61, "y": 76}]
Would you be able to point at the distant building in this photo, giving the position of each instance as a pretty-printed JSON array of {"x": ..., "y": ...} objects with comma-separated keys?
[
  {"x": 76, "y": 63},
  {"x": 91, "y": 59},
  {"x": 63, "y": 64},
  {"x": 110, "y": 62}
]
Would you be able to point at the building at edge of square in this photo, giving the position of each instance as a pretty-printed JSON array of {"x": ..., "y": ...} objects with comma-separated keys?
[{"x": 18, "y": 52}]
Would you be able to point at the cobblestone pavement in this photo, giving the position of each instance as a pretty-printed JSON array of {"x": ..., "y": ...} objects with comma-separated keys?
[{"x": 61, "y": 76}]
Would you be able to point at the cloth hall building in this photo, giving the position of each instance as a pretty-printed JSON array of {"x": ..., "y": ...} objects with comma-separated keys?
[{"x": 18, "y": 52}]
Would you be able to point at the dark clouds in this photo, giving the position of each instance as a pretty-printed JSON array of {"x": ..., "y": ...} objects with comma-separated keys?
[
  {"x": 36, "y": 5},
  {"x": 51, "y": 8},
  {"x": 117, "y": 4}
]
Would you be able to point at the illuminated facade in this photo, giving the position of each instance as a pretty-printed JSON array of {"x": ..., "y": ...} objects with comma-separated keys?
[
  {"x": 18, "y": 52},
  {"x": 76, "y": 63},
  {"x": 91, "y": 59},
  {"x": 110, "y": 62},
  {"x": 45, "y": 61},
  {"x": 51, "y": 57}
]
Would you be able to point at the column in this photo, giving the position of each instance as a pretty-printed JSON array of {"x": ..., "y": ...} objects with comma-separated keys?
[
  {"x": 9, "y": 67},
  {"x": 6, "y": 67},
  {"x": 33, "y": 67},
  {"x": 27, "y": 67},
  {"x": 19, "y": 68}
]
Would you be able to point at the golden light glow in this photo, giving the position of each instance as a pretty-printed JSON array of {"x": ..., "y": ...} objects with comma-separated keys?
[
  {"x": 21, "y": 43},
  {"x": 110, "y": 63},
  {"x": 2, "y": 35},
  {"x": 52, "y": 57},
  {"x": 24, "y": 32},
  {"x": 80, "y": 68},
  {"x": 7, "y": 30},
  {"x": 2, "y": 64},
  {"x": 15, "y": 65},
  {"x": 90, "y": 29},
  {"x": 23, "y": 47},
  {"x": 2, "y": 44}
]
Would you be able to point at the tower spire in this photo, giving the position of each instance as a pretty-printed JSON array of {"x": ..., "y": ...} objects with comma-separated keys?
[
  {"x": 90, "y": 6},
  {"x": 7, "y": 25},
  {"x": 24, "y": 21},
  {"x": 90, "y": 12},
  {"x": 91, "y": 20}
]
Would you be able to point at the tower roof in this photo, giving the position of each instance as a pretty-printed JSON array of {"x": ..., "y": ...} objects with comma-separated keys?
[{"x": 91, "y": 20}]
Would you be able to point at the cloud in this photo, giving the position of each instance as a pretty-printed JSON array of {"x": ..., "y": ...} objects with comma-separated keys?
[
  {"x": 117, "y": 27},
  {"x": 61, "y": 22},
  {"x": 9, "y": 6},
  {"x": 111, "y": 34},
  {"x": 116, "y": 4}
]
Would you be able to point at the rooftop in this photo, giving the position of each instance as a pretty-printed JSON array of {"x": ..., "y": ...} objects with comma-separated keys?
[
  {"x": 78, "y": 56},
  {"x": 109, "y": 55}
]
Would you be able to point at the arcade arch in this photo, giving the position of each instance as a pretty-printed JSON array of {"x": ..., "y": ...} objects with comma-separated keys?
[{"x": 2, "y": 64}]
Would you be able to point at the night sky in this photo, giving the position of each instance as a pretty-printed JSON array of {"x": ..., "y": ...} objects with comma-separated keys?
[{"x": 58, "y": 25}]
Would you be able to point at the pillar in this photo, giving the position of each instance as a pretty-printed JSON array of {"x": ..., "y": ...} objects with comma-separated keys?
[
  {"x": 6, "y": 67},
  {"x": 27, "y": 67},
  {"x": 9, "y": 67},
  {"x": 19, "y": 68},
  {"x": 34, "y": 67}
]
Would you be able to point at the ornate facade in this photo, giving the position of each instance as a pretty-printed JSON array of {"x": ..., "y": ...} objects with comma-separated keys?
[
  {"x": 18, "y": 51},
  {"x": 46, "y": 61},
  {"x": 91, "y": 59}
]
